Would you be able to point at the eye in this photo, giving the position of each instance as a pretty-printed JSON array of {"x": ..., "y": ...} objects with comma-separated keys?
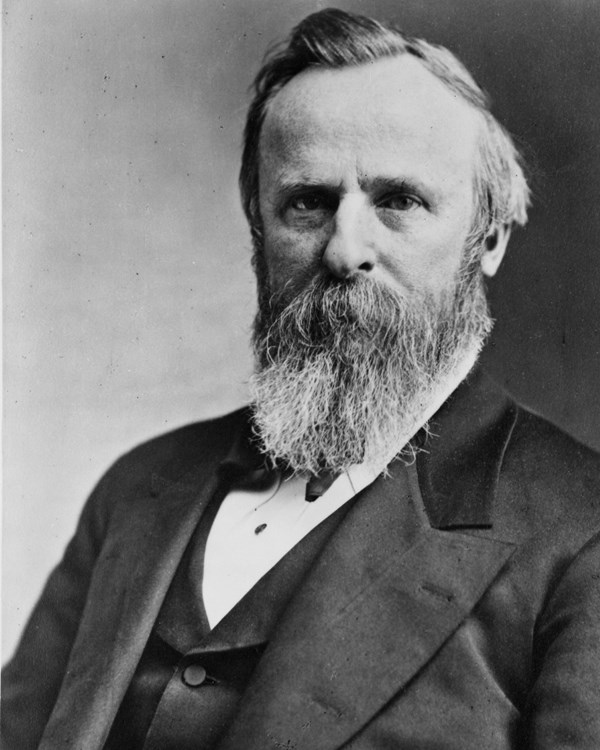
[
  {"x": 308, "y": 208},
  {"x": 308, "y": 202},
  {"x": 400, "y": 202}
]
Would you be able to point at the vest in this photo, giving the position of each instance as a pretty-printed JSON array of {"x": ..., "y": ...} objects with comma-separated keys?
[{"x": 190, "y": 678}]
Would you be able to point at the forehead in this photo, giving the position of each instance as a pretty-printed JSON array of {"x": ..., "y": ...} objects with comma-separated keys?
[{"x": 392, "y": 114}]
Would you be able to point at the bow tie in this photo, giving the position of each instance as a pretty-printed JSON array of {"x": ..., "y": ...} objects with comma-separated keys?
[
  {"x": 257, "y": 474},
  {"x": 318, "y": 484},
  {"x": 259, "y": 479}
]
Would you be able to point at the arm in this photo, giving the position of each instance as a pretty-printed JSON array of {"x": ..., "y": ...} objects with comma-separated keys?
[
  {"x": 32, "y": 679},
  {"x": 564, "y": 706}
]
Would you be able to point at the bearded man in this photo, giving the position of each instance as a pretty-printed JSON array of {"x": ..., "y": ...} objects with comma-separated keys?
[{"x": 383, "y": 550}]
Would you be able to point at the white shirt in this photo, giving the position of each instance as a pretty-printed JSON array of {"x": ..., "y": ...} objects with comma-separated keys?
[{"x": 253, "y": 530}]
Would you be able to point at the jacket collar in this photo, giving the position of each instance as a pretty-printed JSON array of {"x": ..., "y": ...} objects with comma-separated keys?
[{"x": 461, "y": 454}]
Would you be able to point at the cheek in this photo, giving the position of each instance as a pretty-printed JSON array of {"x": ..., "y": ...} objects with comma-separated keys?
[
  {"x": 290, "y": 257},
  {"x": 426, "y": 261}
]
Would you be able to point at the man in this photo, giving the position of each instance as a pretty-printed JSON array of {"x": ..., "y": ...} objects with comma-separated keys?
[{"x": 383, "y": 550}]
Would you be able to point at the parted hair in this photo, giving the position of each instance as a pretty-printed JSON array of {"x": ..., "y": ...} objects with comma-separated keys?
[{"x": 333, "y": 38}]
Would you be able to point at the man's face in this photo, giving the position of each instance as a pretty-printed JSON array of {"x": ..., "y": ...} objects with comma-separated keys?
[
  {"x": 368, "y": 302},
  {"x": 367, "y": 171}
]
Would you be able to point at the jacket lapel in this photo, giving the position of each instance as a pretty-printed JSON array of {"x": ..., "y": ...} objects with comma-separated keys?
[
  {"x": 350, "y": 641},
  {"x": 145, "y": 542},
  {"x": 464, "y": 449}
]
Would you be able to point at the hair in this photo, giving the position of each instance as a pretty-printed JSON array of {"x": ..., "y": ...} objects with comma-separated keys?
[{"x": 333, "y": 38}]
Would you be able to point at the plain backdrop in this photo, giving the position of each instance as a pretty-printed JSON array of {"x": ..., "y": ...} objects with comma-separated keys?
[{"x": 128, "y": 291}]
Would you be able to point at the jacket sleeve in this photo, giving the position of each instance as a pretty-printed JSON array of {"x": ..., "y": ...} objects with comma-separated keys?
[
  {"x": 32, "y": 679},
  {"x": 564, "y": 706}
]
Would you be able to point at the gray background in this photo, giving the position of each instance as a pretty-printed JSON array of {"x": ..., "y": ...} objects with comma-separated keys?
[{"x": 128, "y": 294}]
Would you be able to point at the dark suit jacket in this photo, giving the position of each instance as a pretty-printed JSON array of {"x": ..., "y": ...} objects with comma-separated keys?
[{"x": 456, "y": 606}]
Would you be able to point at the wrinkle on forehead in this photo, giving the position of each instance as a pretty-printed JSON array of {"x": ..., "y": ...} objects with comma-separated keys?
[{"x": 394, "y": 102}]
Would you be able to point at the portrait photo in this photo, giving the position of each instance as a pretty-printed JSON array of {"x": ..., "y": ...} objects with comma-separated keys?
[{"x": 301, "y": 375}]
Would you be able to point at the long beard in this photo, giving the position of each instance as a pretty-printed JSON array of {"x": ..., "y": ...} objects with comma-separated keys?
[{"x": 344, "y": 368}]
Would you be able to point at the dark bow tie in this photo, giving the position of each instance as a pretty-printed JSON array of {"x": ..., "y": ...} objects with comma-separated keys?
[
  {"x": 318, "y": 484},
  {"x": 246, "y": 469},
  {"x": 261, "y": 478}
]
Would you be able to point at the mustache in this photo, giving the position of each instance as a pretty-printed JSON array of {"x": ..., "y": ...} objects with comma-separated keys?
[{"x": 329, "y": 310}]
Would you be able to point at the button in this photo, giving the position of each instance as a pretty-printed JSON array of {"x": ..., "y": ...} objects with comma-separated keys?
[
  {"x": 194, "y": 675},
  {"x": 260, "y": 529}
]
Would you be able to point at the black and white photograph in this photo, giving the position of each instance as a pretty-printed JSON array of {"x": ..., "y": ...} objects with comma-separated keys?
[{"x": 301, "y": 425}]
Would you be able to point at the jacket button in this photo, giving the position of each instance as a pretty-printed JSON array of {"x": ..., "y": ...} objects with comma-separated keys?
[{"x": 194, "y": 675}]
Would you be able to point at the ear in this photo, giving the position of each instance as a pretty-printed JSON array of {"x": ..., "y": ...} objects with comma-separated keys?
[{"x": 494, "y": 248}]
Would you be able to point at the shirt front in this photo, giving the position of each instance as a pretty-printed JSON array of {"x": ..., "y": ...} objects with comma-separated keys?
[{"x": 253, "y": 530}]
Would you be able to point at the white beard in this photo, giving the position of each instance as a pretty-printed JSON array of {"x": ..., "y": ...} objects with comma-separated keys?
[{"x": 344, "y": 367}]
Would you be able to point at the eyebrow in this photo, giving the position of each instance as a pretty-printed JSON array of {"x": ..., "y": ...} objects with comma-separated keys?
[
  {"x": 379, "y": 185},
  {"x": 382, "y": 185},
  {"x": 290, "y": 187}
]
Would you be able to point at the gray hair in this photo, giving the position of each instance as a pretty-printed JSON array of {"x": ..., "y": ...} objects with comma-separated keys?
[{"x": 333, "y": 38}]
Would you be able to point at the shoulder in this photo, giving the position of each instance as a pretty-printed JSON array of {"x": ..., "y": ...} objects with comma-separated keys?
[
  {"x": 177, "y": 449},
  {"x": 490, "y": 460},
  {"x": 541, "y": 452},
  {"x": 167, "y": 457},
  {"x": 550, "y": 479}
]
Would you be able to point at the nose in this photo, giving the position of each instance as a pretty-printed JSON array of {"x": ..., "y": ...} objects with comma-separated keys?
[{"x": 349, "y": 251}]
